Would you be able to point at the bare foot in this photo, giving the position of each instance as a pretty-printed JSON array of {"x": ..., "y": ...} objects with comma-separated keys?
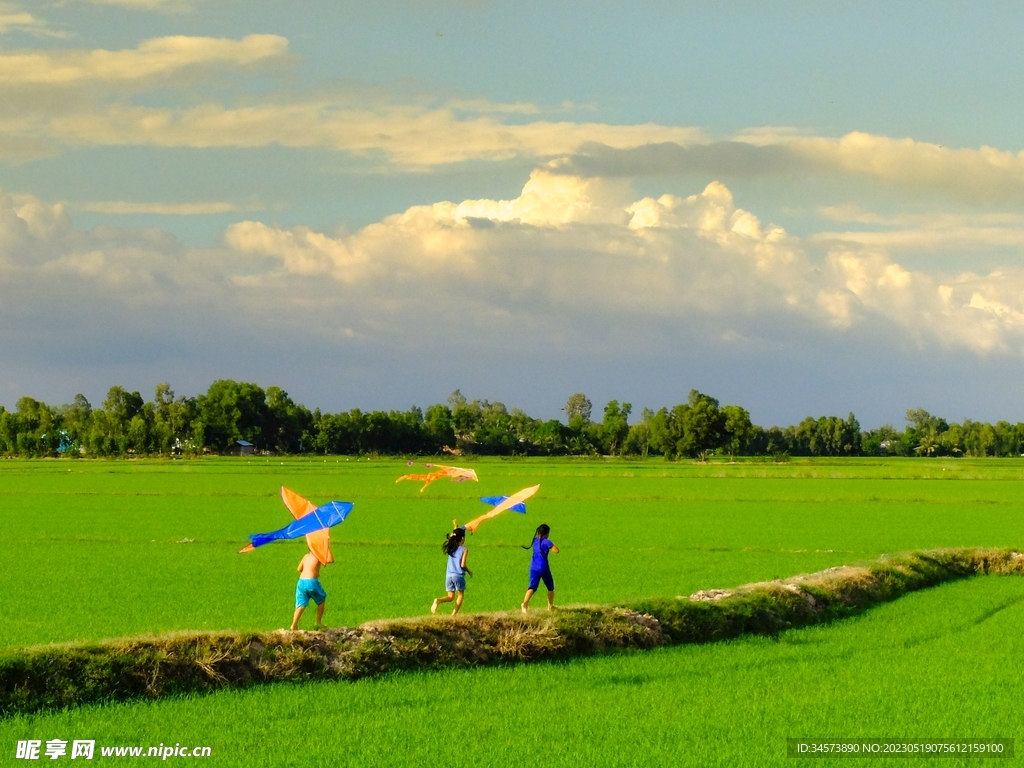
[
  {"x": 551, "y": 607},
  {"x": 433, "y": 607},
  {"x": 523, "y": 607}
]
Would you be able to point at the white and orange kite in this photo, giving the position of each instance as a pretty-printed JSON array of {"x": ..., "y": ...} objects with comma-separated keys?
[
  {"x": 311, "y": 521},
  {"x": 515, "y": 500},
  {"x": 457, "y": 474}
]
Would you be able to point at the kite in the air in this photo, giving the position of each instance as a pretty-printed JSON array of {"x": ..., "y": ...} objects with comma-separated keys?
[
  {"x": 310, "y": 521},
  {"x": 457, "y": 474},
  {"x": 519, "y": 508},
  {"x": 504, "y": 503}
]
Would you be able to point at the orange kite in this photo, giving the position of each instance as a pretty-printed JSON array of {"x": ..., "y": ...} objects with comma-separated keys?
[
  {"x": 457, "y": 474},
  {"x": 511, "y": 501}
]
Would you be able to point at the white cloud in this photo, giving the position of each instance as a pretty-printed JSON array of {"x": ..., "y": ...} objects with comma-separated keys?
[
  {"x": 539, "y": 271},
  {"x": 165, "y": 209},
  {"x": 157, "y": 57},
  {"x": 419, "y": 135},
  {"x": 485, "y": 106},
  {"x": 978, "y": 174},
  {"x": 163, "y": 6},
  {"x": 569, "y": 244},
  {"x": 569, "y": 264},
  {"x": 949, "y": 238},
  {"x": 985, "y": 174},
  {"x": 930, "y": 232},
  {"x": 965, "y": 310},
  {"x": 410, "y": 136},
  {"x": 15, "y": 20},
  {"x": 854, "y": 213},
  {"x": 83, "y": 97}
]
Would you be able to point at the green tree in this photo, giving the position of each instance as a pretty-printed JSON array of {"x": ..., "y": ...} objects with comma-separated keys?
[
  {"x": 139, "y": 435},
  {"x": 550, "y": 438},
  {"x": 737, "y": 428},
  {"x": 1008, "y": 438},
  {"x": 578, "y": 406},
  {"x": 231, "y": 411},
  {"x": 438, "y": 426},
  {"x": 703, "y": 425},
  {"x": 39, "y": 428},
  {"x": 615, "y": 427},
  {"x": 120, "y": 407},
  {"x": 286, "y": 422},
  {"x": 77, "y": 418},
  {"x": 923, "y": 435},
  {"x": 979, "y": 438},
  {"x": 638, "y": 441},
  {"x": 8, "y": 432}
]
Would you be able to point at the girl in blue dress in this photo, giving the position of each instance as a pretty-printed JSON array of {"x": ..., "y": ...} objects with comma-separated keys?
[
  {"x": 539, "y": 568},
  {"x": 455, "y": 575}
]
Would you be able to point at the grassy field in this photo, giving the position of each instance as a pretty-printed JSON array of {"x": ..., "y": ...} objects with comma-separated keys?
[
  {"x": 128, "y": 548},
  {"x": 102, "y": 549},
  {"x": 940, "y": 663}
]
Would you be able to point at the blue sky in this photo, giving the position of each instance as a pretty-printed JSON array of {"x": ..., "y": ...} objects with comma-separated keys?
[{"x": 801, "y": 208}]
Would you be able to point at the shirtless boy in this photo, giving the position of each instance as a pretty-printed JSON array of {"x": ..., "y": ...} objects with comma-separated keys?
[{"x": 309, "y": 588}]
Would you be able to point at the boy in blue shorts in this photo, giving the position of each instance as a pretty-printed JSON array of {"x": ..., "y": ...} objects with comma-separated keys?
[{"x": 309, "y": 588}]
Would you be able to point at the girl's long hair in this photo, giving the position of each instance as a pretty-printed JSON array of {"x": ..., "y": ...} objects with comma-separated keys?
[
  {"x": 541, "y": 533},
  {"x": 453, "y": 541}
]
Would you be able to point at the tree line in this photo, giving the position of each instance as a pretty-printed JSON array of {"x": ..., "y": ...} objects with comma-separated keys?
[{"x": 214, "y": 422}]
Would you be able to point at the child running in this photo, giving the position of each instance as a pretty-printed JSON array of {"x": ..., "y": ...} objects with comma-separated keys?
[
  {"x": 309, "y": 588},
  {"x": 455, "y": 578},
  {"x": 539, "y": 568}
]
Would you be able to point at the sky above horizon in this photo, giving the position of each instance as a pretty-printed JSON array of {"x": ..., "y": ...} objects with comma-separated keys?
[{"x": 803, "y": 209}]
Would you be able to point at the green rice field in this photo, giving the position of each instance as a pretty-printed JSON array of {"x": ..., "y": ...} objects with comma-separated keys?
[{"x": 104, "y": 549}]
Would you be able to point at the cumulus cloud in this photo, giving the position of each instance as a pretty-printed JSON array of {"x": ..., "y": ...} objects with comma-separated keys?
[
  {"x": 571, "y": 263},
  {"x": 980, "y": 313},
  {"x": 578, "y": 245},
  {"x": 158, "y": 57}
]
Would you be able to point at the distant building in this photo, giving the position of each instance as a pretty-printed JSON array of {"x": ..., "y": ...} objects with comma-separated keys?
[{"x": 242, "y": 448}]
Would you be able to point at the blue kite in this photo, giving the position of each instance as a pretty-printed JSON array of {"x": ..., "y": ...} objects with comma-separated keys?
[{"x": 312, "y": 522}]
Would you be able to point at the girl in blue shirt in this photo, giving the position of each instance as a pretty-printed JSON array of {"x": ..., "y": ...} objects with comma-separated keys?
[
  {"x": 539, "y": 568},
  {"x": 455, "y": 576}
]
